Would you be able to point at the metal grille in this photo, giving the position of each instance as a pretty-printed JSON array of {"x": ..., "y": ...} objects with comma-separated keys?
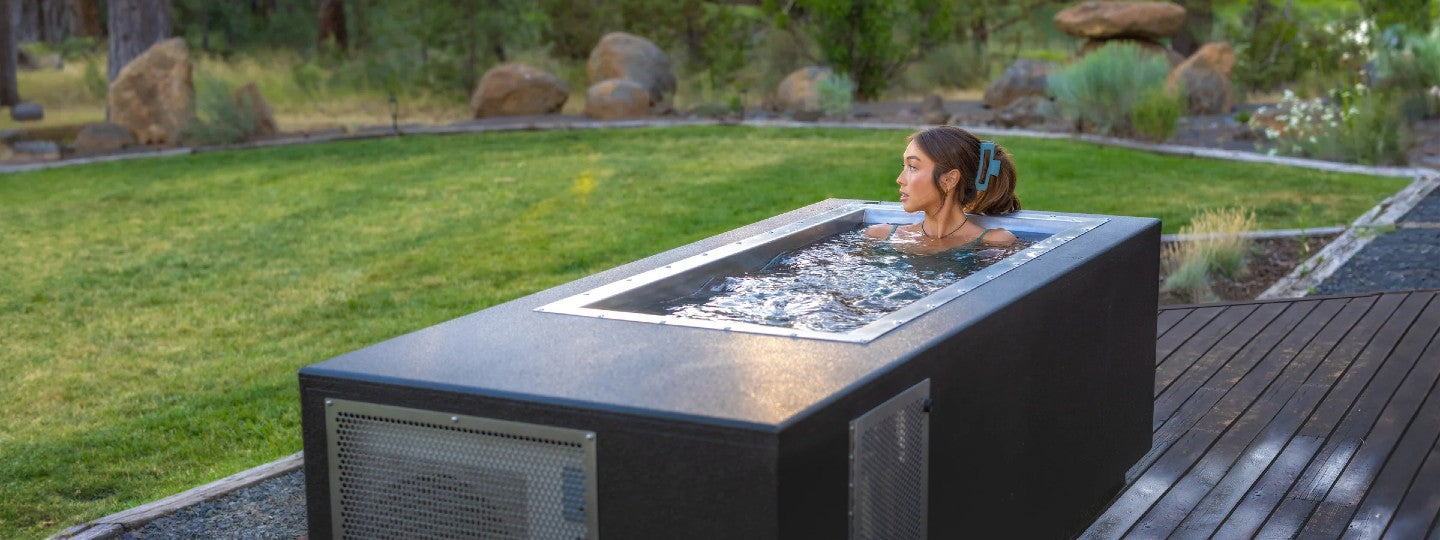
[
  {"x": 408, "y": 473},
  {"x": 889, "y": 468}
]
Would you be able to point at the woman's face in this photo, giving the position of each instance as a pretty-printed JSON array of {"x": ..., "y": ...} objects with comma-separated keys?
[{"x": 917, "y": 187}]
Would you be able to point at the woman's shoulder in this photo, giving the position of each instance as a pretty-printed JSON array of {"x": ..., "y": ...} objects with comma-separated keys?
[
  {"x": 880, "y": 230},
  {"x": 998, "y": 237}
]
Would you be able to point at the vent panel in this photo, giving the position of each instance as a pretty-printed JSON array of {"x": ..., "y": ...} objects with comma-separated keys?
[
  {"x": 889, "y": 468},
  {"x": 408, "y": 473}
]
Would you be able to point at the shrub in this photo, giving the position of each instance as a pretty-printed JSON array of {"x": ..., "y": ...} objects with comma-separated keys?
[
  {"x": 1409, "y": 64},
  {"x": 219, "y": 117},
  {"x": 1356, "y": 124},
  {"x": 1219, "y": 251},
  {"x": 835, "y": 93},
  {"x": 1103, "y": 88},
  {"x": 1158, "y": 111},
  {"x": 952, "y": 65}
]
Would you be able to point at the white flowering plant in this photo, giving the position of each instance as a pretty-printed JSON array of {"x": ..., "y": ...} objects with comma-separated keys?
[{"x": 1354, "y": 123}]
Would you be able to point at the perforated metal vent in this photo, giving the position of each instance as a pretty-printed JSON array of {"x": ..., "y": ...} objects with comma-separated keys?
[
  {"x": 407, "y": 473},
  {"x": 890, "y": 468}
]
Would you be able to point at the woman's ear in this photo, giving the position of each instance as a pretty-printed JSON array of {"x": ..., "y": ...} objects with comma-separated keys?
[{"x": 950, "y": 180}]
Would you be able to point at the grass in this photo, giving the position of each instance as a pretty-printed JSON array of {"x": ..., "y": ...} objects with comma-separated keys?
[
  {"x": 155, "y": 311},
  {"x": 1220, "y": 253}
]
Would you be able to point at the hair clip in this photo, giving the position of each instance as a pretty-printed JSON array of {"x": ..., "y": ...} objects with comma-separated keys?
[{"x": 987, "y": 159}]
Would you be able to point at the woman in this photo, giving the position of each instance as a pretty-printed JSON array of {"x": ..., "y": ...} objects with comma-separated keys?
[{"x": 948, "y": 174}]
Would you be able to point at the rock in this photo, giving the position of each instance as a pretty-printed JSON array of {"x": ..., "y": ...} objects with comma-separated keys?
[
  {"x": 932, "y": 110},
  {"x": 619, "y": 55},
  {"x": 27, "y": 111},
  {"x": 8, "y": 136},
  {"x": 808, "y": 116},
  {"x": 517, "y": 89},
  {"x": 249, "y": 97},
  {"x": 1104, "y": 19},
  {"x": 1205, "y": 77},
  {"x": 1023, "y": 78},
  {"x": 103, "y": 137},
  {"x": 1028, "y": 111},
  {"x": 617, "y": 98},
  {"x": 1146, "y": 45},
  {"x": 799, "y": 91},
  {"x": 25, "y": 59},
  {"x": 153, "y": 95}
]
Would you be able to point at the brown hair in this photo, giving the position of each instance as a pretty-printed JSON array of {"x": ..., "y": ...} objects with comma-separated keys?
[{"x": 952, "y": 148}]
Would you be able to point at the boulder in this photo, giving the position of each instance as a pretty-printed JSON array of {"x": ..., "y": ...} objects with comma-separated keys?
[
  {"x": 1023, "y": 78},
  {"x": 102, "y": 137},
  {"x": 27, "y": 111},
  {"x": 1026, "y": 111},
  {"x": 153, "y": 95},
  {"x": 517, "y": 89},
  {"x": 619, "y": 55},
  {"x": 617, "y": 98},
  {"x": 1105, "y": 19},
  {"x": 1171, "y": 56},
  {"x": 1205, "y": 78},
  {"x": 37, "y": 149},
  {"x": 249, "y": 97},
  {"x": 799, "y": 91},
  {"x": 25, "y": 59},
  {"x": 932, "y": 110}
]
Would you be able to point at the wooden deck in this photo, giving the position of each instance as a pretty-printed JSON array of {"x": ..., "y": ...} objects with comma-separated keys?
[{"x": 1316, "y": 418}]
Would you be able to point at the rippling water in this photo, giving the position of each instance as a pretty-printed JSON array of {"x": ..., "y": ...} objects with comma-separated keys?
[{"x": 836, "y": 285}]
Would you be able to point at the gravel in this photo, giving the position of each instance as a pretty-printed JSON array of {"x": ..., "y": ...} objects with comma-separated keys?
[{"x": 274, "y": 508}]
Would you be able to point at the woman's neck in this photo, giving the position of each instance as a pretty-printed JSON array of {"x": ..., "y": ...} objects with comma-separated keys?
[{"x": 944, "y": 223}]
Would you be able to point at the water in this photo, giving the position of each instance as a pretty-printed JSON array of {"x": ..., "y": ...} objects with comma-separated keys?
[{"x": 836, "y": 285}]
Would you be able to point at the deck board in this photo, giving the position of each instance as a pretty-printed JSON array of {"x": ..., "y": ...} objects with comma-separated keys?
[{"x": 1310, "y": 417}]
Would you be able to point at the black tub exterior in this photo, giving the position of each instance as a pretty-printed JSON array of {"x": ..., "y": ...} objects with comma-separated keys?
[{"x": 1041, "y": 383}]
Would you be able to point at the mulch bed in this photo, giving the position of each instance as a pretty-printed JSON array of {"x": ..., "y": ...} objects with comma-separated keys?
[{"x": 1270, "y": 259}]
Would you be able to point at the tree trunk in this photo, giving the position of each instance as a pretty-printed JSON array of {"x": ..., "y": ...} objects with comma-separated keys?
[
  {"x": 135, "y": 25},
  {"x": 9, "y": 93},
  {"x": 1199, "y": 19},
  {"x": 86, "y": 15},
  {"x": 332, "y": 24}
]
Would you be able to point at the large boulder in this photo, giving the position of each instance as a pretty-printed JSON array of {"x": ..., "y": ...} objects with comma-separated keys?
[
  {"x": 248, "y": 97},
  {"x": 627, "y": 56},
  {"x": 932, "y": 110},
  {"x": 154, "y": 95},
  {"x": 103, "y": 137},
  {"x": 1106, "y": 19},
  {"x": 517, "y": 89},
  {"x": 27, "y": 111},
  {"x": 799, "y": 91},
  {"x": 1023, "y": 78},
  {"x": 1027, "y": 111},
  {"x": 1205, "y": 79},
  {"x": 617, "y": 98},
  {"x": 1092, "y": 45}
]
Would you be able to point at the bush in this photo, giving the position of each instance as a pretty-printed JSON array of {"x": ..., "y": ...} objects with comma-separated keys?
[
  {"x": 219, "y": 117},
  {"x": 952, "y": 65},
  {"x": 1218, "y": 252},
  {"x": 1155, "y": 116},
  {"x": 836, "y": 94},
  {"x": 1409, "y": 65},
  {"x": 1104, "y": 88},
  {"x": 1356, "y": 124}
]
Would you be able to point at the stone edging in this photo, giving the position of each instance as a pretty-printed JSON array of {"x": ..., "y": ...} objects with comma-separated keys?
[
  {"x": 113, "y": 525},
  {"x": 1254, "y": 235},
  {"x": 1311, "y": 273}
]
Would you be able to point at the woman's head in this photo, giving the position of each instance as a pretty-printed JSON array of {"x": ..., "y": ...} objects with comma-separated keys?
[{"x": 955, "y": 158}]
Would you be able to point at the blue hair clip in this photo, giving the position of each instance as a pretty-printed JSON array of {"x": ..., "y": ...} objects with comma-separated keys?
[{"x": 987, "y": 160}]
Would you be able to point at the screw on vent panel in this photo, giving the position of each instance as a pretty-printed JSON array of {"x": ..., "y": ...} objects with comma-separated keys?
[
  {"x": 890, "y": 466},
  {"x": 408, "y": 473}
]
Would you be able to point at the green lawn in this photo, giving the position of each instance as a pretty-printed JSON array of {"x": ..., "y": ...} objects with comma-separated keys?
[{"x": 154, "y": 312}]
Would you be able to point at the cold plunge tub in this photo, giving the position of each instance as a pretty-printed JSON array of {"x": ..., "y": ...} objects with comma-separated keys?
[{"x": 1007, "y": 404}]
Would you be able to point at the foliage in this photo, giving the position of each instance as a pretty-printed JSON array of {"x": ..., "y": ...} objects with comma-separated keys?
[
  {"x": 1104, "y": 88},
  {"x": 219, "y": 117},
  {"x": 225, "y": 28},
  {"x": 1217, "y": 251},
  {"x": 1409, "y": 65},
  {"x": 950, "y": 65},
  {"x": 1390, "y": 13},
  {"x": 834, "y": 93},
  {"x": 859, "y": 39},
  {"x": 1355, "y": 124},
  {"x": 1277, "y": 46},
  {"x": 1157, "y": 113}
]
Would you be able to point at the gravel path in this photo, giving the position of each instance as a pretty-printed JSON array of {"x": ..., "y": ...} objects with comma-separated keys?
[
  {"x": 1403, "y": 259},
  {"x": 274, "y": 508}
]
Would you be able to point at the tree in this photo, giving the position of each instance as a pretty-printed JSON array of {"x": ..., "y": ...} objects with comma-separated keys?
[
  {"x": 9, "y": 93},
  {"x": 859, "y": 39},
  {"x": 1199, "y": 19},
  {"x": 1386, "y": 13},
  {"x": 135, "y": 25},
  {"x": 332, "y": 24}
]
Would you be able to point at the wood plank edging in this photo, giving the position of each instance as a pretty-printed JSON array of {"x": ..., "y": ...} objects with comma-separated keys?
[{"x": 113, "y": 525}]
